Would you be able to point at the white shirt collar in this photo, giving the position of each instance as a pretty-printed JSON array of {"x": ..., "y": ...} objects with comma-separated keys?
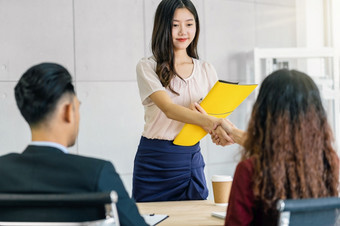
[{"x": 50, "y": 144}]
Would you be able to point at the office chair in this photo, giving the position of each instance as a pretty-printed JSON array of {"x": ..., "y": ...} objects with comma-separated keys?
[
  {"x": 97, "y": 208},
  {"x": 311, "y": 212}
]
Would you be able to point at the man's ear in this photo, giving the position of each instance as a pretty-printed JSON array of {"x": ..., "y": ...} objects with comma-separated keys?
[{"x": 68, "y": 112}]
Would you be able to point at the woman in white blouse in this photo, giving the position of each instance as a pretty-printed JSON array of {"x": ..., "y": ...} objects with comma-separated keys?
[{"x": 171, "y": 82}]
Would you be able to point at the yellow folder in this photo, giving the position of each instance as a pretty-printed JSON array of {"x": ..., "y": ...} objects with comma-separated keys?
[{"x": 220, "y": 102}]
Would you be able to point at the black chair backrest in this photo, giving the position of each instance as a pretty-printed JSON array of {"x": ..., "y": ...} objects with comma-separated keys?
[
  {"x": 311, "y": 212},
  {"x": 72, "y": 207}
]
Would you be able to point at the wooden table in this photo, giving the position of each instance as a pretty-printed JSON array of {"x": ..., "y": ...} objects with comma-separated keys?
[{"x": 184, "y": 212}]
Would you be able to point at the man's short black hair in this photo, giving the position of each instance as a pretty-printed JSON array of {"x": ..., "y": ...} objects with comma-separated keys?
[{"x": 39, "y": 90}]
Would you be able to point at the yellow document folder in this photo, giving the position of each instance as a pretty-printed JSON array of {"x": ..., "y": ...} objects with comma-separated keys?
[{"x": 220, "y": 102}]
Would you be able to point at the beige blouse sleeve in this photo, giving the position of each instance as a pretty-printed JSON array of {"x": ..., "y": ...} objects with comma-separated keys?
[{"x": 147, "y": 79}]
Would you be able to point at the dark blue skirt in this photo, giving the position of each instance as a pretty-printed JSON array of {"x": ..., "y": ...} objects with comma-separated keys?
[{"x": 167, "y": 172}]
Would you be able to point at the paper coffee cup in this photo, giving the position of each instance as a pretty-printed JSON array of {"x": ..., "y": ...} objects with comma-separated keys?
[{"x": 221, "y": 188}]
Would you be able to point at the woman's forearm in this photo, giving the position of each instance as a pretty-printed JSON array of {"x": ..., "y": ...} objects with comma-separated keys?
[
  {"x": 186, "y": 115},
  {"x": 239, "y": 136},
  {"x": 183, "y": 114}
]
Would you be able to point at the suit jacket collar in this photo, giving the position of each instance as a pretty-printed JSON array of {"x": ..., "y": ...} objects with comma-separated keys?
[{"x": 32, "y": 149}]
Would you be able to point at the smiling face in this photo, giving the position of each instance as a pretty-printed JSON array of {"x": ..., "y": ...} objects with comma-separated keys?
[{"x": 183, "y": 28}]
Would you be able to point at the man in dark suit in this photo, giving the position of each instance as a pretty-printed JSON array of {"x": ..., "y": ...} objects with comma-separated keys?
[{"x": 46, "y": 99}]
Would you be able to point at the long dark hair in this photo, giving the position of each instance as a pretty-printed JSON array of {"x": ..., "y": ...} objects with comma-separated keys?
[
  {"x": 290, "y": 141},
  {"x": 162, "y": 46}
]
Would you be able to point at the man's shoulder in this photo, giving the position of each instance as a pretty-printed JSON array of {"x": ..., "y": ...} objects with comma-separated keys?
[
  {"x": 94, "y": 160},
  {"x": 86, "y": 164},
  {"x": 47, "y": 152},
  {"x": 9, "y": 155},
  {"x": 50, "y": 155}
]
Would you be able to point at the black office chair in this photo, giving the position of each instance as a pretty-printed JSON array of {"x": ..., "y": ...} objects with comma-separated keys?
[
  {"x": 59, "y": 209},
  {"x": 311, "y": 212}
]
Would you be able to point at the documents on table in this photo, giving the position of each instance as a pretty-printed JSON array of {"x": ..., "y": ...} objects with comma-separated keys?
[{"x": 154, "y": 219}]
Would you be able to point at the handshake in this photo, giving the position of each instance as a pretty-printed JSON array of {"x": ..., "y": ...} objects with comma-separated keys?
[
  {"x": 222, "y": 131},
  {"x": 227, "y": 133}
]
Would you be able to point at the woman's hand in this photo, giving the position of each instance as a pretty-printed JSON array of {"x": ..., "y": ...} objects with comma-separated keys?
[
  {"x": 220, "y": 137},
  {"x": 197, "y": 107},
  {"x": 218, "y": 134},
  {"x": 228, "y": 126},
  {"x": 213, "y": 121},
  {"x": 223, "y": 135},
  {"x": 237, "y": 135}
]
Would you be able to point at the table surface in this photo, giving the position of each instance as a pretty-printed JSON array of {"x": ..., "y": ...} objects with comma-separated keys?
[{"x": 184, "y": 212}]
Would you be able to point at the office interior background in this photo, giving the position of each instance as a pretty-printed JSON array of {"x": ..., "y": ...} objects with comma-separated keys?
[{"x": 100, "y": 43}]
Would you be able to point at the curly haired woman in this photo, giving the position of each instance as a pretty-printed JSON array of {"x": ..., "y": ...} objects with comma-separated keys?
[{"x": 287, "y": 153}]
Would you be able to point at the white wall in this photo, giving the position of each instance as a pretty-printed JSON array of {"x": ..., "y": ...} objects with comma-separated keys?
[{"x": 100, "y": 42}]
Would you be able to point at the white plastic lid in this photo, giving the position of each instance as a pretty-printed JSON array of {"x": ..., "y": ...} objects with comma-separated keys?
[{"x": 221, "y": 178}]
